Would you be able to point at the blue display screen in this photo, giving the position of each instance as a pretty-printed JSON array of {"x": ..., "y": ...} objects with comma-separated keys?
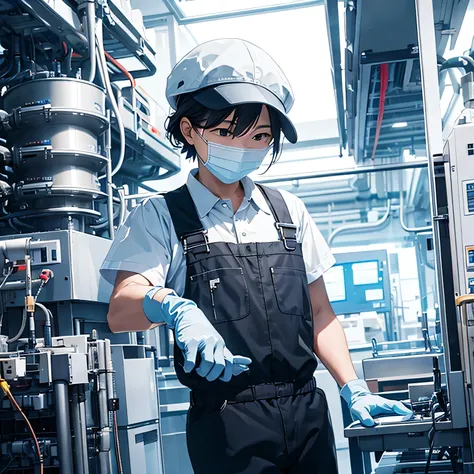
[{"x": 470, "y": 197}]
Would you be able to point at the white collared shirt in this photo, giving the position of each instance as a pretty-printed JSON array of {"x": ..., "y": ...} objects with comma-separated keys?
[{"x": 147, "y": 243}]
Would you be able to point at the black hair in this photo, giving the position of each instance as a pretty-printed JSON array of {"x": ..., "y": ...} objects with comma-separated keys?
[{"x": 245, "y": 117}]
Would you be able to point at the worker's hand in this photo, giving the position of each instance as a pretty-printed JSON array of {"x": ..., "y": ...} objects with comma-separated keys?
[
  {"x": 195, "y": 335},
  {"x": 363, "y": 405}
]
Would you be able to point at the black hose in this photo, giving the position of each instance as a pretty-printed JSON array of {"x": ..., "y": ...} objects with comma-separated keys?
[
  {"x": 47, "y": 325},
  {"x": 456, "y": 63},
  {"x": 24, "y": 60}
]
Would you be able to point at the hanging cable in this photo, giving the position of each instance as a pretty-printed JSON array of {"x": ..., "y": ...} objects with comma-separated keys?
[
  {"x": 102, "y": 68},
  {"x": 383, "y": 92},
  {"x": 117, "y": 445},
  {"x": 6, "y": 389},
  {"x": 122, "y": 68}
]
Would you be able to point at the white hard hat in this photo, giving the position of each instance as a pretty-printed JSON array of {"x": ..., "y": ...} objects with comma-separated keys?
[{"x": 239, "y": 72}]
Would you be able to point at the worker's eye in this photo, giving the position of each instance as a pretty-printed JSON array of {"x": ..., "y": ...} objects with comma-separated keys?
[
  {"x": 222, "y": 132},
  {"x": 262, "y": 136}
]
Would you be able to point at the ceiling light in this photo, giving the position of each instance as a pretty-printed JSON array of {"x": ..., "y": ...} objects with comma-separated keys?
[{"x": 400, "y": 125}]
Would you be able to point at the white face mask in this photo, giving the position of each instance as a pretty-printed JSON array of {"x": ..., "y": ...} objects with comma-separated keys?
[{"x": 230, "y": 164}]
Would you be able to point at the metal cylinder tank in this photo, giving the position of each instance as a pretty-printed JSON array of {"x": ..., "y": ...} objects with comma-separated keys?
[{"x": 55, "y": 128}]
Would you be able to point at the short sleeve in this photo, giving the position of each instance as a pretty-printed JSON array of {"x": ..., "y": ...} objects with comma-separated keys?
[
  {"x": 142, "y": 245},
  {"x": 317, "y": 255}
]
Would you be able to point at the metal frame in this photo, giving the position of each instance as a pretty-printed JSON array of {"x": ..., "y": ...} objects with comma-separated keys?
[
  {"x": 182, "y": 19},
  {"x": 348, "y": 171},
  {"x": 434, "y": 146},
  {"x": 332, "y": 21}
]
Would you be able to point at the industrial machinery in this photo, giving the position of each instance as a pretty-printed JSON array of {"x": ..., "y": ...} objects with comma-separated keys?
[
  {"x": 72, "y": 144},
  {"x": 439, "y": 386}
]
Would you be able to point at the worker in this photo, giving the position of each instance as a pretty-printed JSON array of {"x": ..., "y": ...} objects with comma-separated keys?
[{"x": 236, "y": 271}]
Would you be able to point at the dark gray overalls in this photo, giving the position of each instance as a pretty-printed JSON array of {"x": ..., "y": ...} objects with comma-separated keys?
[{"x": 272, "y": 418}]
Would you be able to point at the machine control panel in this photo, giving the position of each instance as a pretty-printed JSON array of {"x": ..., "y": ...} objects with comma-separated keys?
[
  {"x": 470, "y": 284},
  {"x": 45, "y": 252},
  {"x": 469, "y": 190},
  {"x": 470, "y": 257}
]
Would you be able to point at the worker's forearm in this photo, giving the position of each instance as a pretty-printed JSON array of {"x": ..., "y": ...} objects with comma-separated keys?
[
  {"x": 126, "y": 308},
  {"x": 330, "y": 346}
]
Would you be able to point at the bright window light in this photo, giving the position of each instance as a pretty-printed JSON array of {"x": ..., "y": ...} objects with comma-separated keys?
[
  {"x": 400, "y": 125},
  {"x": 302, "y": 52}
]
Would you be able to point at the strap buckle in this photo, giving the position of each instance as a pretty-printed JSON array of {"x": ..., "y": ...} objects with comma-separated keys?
[
  {"x": 195, "y": 240},
  {"x": 281, "y": 226}
]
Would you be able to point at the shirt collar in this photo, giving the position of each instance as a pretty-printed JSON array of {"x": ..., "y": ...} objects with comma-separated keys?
[
  {"x": 204, "y": 200},
  {"x": 253, "y": 193}
]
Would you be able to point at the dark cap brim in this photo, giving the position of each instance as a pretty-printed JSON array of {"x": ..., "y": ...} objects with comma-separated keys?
[{"x": 237, "y": 93}]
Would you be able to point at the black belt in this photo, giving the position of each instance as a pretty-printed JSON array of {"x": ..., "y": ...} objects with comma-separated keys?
[{"x": 264, "y": 391}]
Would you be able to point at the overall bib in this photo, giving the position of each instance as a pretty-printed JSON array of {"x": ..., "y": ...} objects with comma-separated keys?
[{"x": 272, "y": 418}]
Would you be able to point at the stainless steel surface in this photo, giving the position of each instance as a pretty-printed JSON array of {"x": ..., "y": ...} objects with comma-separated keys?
[
  {"x": 76, "y": 272},
  {"x": 62, "y": 93},
  {"x": 393, "y": 367},
  {"x": 56, "y": 124},
  {"x": 138, "y": 417},
  {"x": 72, "y": 368}
]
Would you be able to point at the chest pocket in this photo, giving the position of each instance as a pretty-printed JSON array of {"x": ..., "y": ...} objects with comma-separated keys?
[
  {"x": 292, "y": 292},
  {"x": 222, "y": 294}
]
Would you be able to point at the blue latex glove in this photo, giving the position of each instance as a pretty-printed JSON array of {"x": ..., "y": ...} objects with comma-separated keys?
[
  {"x": 363, "y": 404},
  {"x": 195, "y": 334}
]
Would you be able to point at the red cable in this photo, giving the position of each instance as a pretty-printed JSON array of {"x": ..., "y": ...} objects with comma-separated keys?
[
  {"x": 122, "y": 68},
  {"x": 383, "y": 92}
]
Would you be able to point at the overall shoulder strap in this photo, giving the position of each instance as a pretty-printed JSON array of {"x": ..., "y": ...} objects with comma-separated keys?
[
  {"x": 283, "y": 221},
  {"x": 183, "y": 212},
  {"x": 277, "y": 204}
]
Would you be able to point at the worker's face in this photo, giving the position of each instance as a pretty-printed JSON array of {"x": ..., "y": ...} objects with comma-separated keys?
[{"x": 259, "y": 136}]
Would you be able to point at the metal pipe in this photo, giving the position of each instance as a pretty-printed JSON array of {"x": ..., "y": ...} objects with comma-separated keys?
[
  {"x": 47, "y": 325},
  {"x": 140, "y": 196},
  {"x": 363, "y": 226},
  {"x": 83, "y": 426},
  {"x": 77, "y": 326},
  {"x": 110, "y": 191},
  {"x": 351, "y": 171},
  {"x": 18, "y": 285},
  {"x": 90, "y": 17},
  {"x": 123, "y": 206},
  {"x": 102, "y": 63},
  {"x": 104, "y": 421},
  {"x": 402, "y": 219},
  {"x": 109, "y": 369},
  {"x": 76, "y": 427},
  {"x": 63, "y": 426}
]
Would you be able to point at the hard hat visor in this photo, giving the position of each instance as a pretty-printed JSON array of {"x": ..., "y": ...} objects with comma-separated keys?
[{"x": 237, "y": 93}]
